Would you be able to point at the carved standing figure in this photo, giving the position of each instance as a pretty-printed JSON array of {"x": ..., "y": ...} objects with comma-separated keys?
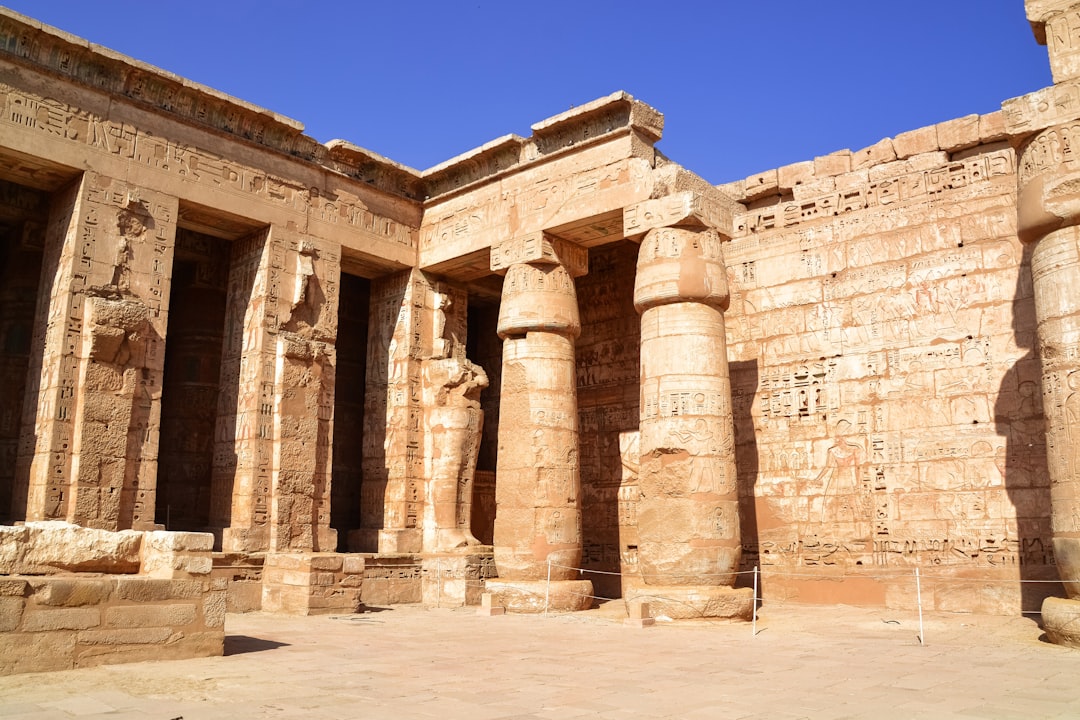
[{"x": 454, "y": 421}]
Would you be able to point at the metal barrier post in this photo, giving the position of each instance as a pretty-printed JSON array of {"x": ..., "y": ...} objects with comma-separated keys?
[
  {"x": 547, "y": 588},
  {"x": 753, "y": 627},
  {"x": 918, "y": 594}
]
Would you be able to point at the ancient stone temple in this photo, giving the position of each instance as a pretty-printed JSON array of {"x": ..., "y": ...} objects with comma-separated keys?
[{"x": 247, "y": 369}]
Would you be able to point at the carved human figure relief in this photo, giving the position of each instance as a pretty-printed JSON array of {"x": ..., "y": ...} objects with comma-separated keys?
[{"x": 454, "y": 421}]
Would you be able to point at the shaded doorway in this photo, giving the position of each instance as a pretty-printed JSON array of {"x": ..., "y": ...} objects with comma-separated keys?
[
  {"x": 192, "y": 380},
  {"x": 608, "y": 386},
  {"x": 23, "y": 216},
  {"x": 484, "y": 348},
  {"x": 352, "y": 339}
]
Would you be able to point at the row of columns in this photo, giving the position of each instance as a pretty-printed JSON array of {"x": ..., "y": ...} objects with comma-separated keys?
[
  {"x": 688, "y": 525},
  {"x": 91, "y": 424}
]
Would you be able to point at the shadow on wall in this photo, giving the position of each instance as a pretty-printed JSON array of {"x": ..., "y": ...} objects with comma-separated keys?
[
  {"x": 744, "y": 384},
  {"x": 1018, "y": 418}
]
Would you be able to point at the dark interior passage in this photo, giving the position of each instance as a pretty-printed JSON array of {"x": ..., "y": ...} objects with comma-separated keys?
[
  {"x": 23, "y": 216},
  {"x": 355, "y": 300},
  {"x": 191, "y": 384},
  {"x": 484, "y": 348}
]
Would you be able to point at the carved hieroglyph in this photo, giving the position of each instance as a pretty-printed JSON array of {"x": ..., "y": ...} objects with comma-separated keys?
[{"x": 687, "y": 516}]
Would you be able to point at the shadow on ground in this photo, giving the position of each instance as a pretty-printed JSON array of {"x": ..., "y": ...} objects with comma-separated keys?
[{"x": 242, "y": 644}]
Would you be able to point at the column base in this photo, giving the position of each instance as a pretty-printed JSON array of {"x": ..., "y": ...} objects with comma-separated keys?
[
  {"x": 533, "y": 596},
  {"x": 1061, "y": 621},
  {"x": 690, "y": 602},
  {"x": 311, "y": 583},
  {"x": 455, "y": 579}
]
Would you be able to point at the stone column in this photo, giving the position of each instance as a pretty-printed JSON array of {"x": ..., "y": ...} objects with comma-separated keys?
[
  {"x": 687, "y": 514},
  {"x": 538, "y": 499},
  {"x": 1049, "y": 219},
  {"x": 88, "y": 452}
]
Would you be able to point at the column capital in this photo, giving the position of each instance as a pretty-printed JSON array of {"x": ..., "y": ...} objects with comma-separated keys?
[
  {"x": 680, "y": 265},
  {"x": 1047, "y": 173},
  {"x": 539, "y": 248}
]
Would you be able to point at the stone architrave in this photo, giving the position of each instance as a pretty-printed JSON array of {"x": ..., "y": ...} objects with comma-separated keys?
[
  {"x": 91, "y": 420},
  {"x": 687, "y": 513},
  {"x": 538, "y": 487},
  {"x": 1048, "y": 217}
]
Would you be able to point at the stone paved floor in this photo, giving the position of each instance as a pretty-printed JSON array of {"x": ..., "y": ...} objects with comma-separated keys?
[{"x": 410, "y": 662}]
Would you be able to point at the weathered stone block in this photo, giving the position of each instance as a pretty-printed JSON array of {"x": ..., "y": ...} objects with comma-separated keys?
[
  {"x": 11, "y": 610},
  {"x": 332, "y": 563},
  {"x": 141, "y": 616},
  {"x": 36, "y": 652},
  {"x": 835, "y": 163},
  {"x": 125, "y": 636},
  {"x": 214, "y": 606},
  {"x": 60, "y": 619},
  {"x": 914, "y": 142},
  {"x": 761, "y": 185},
  {"x": 46, "y": 547},
  {"x": 992, "y": 127},
  {"x": 880, "y": 152},
  {"x": 174, "y": 541},
  {"x": 958, "y": 134},
  {"x": 155, "y": 589},
  {"x": 71, "y": 592},
  {"x": 790, "y": 176},
  {"x": 14, "y": 587}
]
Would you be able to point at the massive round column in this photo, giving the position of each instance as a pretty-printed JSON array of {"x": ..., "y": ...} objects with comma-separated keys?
[
  {"x": 1048, "y": 215},
  {"x": 537, "y": 492},
  {"x": 687, "y": 519}
]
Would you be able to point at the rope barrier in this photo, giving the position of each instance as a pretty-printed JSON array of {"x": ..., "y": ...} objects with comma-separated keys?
[{"x": 765, "y": 574}]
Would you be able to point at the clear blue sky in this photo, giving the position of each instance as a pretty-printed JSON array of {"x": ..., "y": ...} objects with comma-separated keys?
[{"x": 744, "y": 86}]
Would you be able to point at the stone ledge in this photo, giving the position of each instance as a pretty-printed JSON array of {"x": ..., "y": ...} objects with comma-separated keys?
[{"x": 64, "y": 622}]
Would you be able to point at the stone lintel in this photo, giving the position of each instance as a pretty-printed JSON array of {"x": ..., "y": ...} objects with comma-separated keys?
[
  {"x": 681, "y": 209},
  {"x": 542, "y": 249},
  {"x": 1042, "y": 109},
  {"x": 458, "y": 172},
  {"x": 619, "y": 109},
  {"x": 375, "y": 169}
]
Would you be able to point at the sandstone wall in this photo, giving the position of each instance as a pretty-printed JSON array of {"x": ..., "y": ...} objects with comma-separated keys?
[{"x": 886, "y": 392}]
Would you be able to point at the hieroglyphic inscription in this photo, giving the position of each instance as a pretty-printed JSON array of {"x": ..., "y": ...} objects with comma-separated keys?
[
  {"x": 911, "y": 187},
  {"x": 125, "y": 141}
]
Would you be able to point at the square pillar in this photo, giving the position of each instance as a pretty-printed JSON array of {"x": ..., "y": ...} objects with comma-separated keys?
[{"x": 88, "y": 451}]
